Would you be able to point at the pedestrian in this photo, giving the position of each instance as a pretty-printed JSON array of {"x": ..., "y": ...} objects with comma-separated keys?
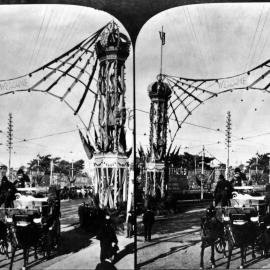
[
  {"x": 107, "y": 264},
  {"x": 239, "y": 178},
  {"x": 22, "y": 179},
  {"x": 223, "y": 192},
  {"x": 108, "y": 239},
  {"x": 148, "y": 221},
  {"x": 7, "y": 193},
  {"x": 130, "y": 223}
]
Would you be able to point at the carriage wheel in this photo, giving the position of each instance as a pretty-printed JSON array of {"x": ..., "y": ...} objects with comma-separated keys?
[
  {"x": 56, "y": 234},
  {"x": 219, "y": 246},
  {"x": 4, "y": 247}
]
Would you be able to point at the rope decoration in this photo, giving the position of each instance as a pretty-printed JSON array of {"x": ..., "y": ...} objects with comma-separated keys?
[
  {"x": 70, "y": 73},
  {"x": 188, "y": 94}
]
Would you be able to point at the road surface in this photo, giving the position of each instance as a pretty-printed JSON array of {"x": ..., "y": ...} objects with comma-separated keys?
[
  {"x": 176, "y": 245},
  {"x": 78, "y": 250}
]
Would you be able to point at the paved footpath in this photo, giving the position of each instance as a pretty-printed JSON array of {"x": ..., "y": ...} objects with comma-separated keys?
[
  {"x": 176, "y": 245},
  {"x": 79, "y": 249}
]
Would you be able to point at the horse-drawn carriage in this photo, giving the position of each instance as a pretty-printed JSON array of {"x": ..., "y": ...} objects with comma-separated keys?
[
  {"x": 246, "y": 222},
  {"x": 34, "y": 222}
]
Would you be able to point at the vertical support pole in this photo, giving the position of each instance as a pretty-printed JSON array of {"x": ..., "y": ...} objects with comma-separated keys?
[
  {"x": 146, "y": 182},
  {"x": 96, "y": 181},
  {"x": 154, "y": 180},
  {"x": 269, "y": 171},
  {"x": 101, "y": 190},
  {"x": 115, "y": 186},
  {"x": 162, "y": 184},
  {"x": 202, "y": 173},
  {"x": 124, "y": 184}
]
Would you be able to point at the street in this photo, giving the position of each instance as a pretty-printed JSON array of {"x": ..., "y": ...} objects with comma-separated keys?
[
  {"x": 78, "y": 250},
  {"x": 176, "y": 245}
]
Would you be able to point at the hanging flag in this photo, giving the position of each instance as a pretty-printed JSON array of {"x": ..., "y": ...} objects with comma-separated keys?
[
  {"x": 122, "y": 139},
  {"x": 89, "y": 149},
  {"x": 162, "y": 37}
]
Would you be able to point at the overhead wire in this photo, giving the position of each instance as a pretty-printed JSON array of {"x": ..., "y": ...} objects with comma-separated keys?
[
  {"x": 253, "y": 39},
  {"x": 266, "y": 39},
  {"x": 259, "y": 38},
  {"x": 43, "y": 37},
  {"x": 37, "y": 38}
]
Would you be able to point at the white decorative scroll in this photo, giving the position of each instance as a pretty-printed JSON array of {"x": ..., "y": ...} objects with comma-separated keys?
[
  {"x": 241, "y": 81},
  {"x": 152, "y": 166},
  {"x": 14, "y": 85},
  {"x": 110, "y": 160}
]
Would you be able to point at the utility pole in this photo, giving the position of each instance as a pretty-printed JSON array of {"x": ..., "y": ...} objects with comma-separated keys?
[
  {"x": 228, "y": 141},
  {"x": 257, "y": 160},
  {"x": 9, "y": 142},
  {"x": 202, "y": 180}
]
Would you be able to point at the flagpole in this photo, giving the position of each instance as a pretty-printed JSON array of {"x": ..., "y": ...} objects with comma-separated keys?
[{"x": 161, "y": 51}]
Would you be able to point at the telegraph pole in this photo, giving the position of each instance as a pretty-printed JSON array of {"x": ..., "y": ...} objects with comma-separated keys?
[
  {"x": 202, "y": 180},
  {"x": 228, "y": 141},
  {"x": 9, "y": 141}
]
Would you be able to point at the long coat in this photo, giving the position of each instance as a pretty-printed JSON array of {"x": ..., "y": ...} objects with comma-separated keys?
[{"x": 107, "y": 236}]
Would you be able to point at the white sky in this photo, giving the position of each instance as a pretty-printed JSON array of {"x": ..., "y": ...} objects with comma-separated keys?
[
  {"x": 26, "y": 44},
  {"x": 210, "y": 41},
  {"x": 202, "y": 41}
]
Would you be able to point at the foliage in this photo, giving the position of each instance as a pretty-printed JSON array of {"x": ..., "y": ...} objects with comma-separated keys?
[
  {"x": 60, "y": 165},
  {"x": 261, "y": 161}
]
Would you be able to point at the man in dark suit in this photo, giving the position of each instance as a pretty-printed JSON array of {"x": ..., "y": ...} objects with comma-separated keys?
[
  {"x": 22, "y": 179},
  {"x": 7, "y": 193},
  {"x": 223, "y": 192},
  {"x": 108, "y": 240},
  {"x": 130, "y": 223},
  {"x": 148, "y": 221}
]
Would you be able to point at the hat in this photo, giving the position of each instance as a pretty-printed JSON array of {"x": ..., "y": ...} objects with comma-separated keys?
[
  {"x": 20, "y": 171},
  {"x": 221, "y": 177},
  {"x": 237, "y": 170}
]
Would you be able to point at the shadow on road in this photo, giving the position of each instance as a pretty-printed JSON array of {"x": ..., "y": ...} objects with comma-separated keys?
[
  {"x": 71, "y": 241},
  {"x": 168, "y": 253},
  {"x": 128, "y": 249}
]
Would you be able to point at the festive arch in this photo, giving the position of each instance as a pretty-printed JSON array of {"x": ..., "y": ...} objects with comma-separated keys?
[
  {"x": 188, "y": 94},
  {"x": 68, "y": 78}
]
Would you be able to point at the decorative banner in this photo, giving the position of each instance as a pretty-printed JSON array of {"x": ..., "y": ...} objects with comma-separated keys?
[
  {"x": 235, "y": 82},
  {"x": 14, "y": 85}
]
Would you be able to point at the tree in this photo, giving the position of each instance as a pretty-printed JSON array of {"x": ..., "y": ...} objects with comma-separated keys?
[
  {"x": 60, "y": 165},
  {"x": 261, "y": 161}
]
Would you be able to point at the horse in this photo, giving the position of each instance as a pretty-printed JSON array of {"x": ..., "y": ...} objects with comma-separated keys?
[
  {"x": 263, "y": 240},
  {"x": 241, "y": 233},
  {"x": 26, "y": 235},
  {"x": 212, "y": 231},
  {"x": 3, "y": 239}
]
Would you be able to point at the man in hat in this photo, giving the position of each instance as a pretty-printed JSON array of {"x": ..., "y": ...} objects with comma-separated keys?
[
  {"x": 108, "y": 240},
  {"x": 7, "y": 193},
  {"x": 22, "y": 179},
  {"x": 130, "y": 223},
  {"x": 223, "y": 192},
  {"x": 148, "y": 221},
  {"x": 238, "y": 178}
]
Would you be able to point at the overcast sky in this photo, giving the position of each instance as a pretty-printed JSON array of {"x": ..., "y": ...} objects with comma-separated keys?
[
  {"x": 210, "y": 41},
  {"x": 202, "y": 41},
  {"x": 30, "y": 37}
]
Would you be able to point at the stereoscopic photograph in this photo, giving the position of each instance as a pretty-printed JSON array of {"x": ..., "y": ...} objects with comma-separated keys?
[{"x": 134, "y": 135}]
